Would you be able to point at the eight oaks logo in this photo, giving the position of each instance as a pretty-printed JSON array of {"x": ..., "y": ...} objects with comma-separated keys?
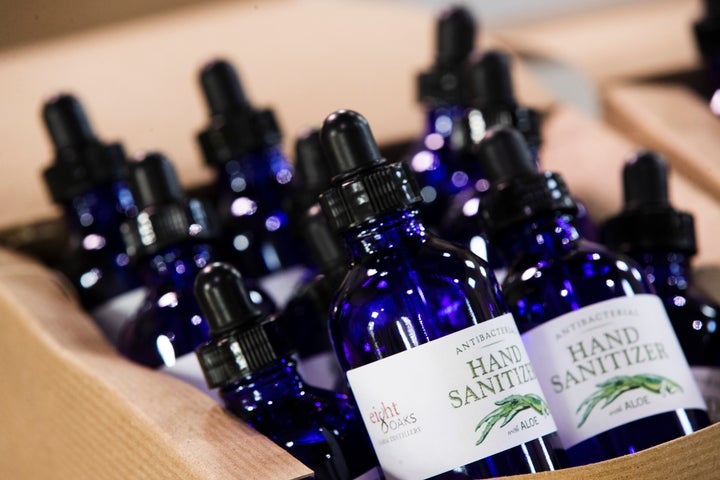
[
  {"x": 611, "y": 389},
  {"x": 508, "y": 408},
  {"x": 393, "y": 422}
]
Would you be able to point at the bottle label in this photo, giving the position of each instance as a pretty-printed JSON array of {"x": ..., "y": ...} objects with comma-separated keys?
[
  {"x": 708, "y": 381},
  {"x": 112, "y": 315},
  {"x": 452, "y": 401},
  {"x": 609, "y": 364}
]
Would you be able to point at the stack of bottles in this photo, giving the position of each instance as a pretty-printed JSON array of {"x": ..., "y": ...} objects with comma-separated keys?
[{"x": 349, "y": 307}]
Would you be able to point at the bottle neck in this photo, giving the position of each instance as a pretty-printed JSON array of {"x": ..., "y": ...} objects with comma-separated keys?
[
  {"x": 100, "y": 210},
  {"x": 665, "y": 270},
  {"x": 176, "y": 266},
  {"x": 253, "y": 169},
  {"x": 385, "y": 233},
  {"x": 440, "y": 120},
  {"x": 264, "y": 389},
  {"x": 544, "y": 237}
]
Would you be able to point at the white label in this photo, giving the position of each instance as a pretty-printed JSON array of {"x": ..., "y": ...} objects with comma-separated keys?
[
  {"x": 112, "y": 315},
  {"x": 708, "y": 381},
  {"x": 609, "y": 364},
  {"x": 452, "y": 401}
]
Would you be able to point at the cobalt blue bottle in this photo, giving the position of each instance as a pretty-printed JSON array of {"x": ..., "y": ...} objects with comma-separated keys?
[
  {"x": 89, "y": 180},
  {"x": 253, "y": 176},
  {"x": 248, "y": 359},
  {"x": 306, "y": 314},
  {"x": 662, "y": 240},
  {"x": 441, "y": 90},
  {"x": 419, "y": 326},
  {"x": 170, "y": 240},
  {"x": 605, "y": 354}
]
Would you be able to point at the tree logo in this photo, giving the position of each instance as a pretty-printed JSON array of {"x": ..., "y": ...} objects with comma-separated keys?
[
  {"x": 508, "y": 408},
  {"x": 611, "y": 389}
]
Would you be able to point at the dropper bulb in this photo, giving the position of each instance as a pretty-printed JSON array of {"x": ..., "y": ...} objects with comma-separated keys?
[
  {"x": 223, "y": 298},
  {"x": 349, "y": 144},
  {"x": 645, "y": 181},
  {"x": 154, "y": 181},
  {"x": 67, "y": 122},
  {"x": 455, "y": 35},
  {"x": 505, "y": 155},
  {"x": 222, "y": 88},
  {"x": 490, "y": 80}
]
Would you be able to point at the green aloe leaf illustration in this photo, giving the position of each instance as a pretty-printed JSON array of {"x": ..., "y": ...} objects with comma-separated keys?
[
  {"x": 508, "y": 408},
  {"x": 609, "y": 390}
]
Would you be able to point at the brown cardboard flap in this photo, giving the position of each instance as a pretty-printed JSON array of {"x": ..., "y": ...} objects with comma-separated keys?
[
  {"x": 139, "y": 80},
  {"x": 590, "y": 156},
  {"x": 70, "y": 407},
  {"x": 637, "y": 39}
]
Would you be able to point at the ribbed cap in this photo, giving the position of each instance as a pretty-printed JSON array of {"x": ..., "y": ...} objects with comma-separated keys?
[
  {"x": 244, "y": 341},
  {"x": 165, "y": 217},
  {"x": 455, "y": 39},
  {"x": 82, "y": 161},
  {"x": 647, "y": 220},
  {"x": 236, "y": 128},
  {"x": 365, "y": 186},
  {"x": 518, "y": 192}
]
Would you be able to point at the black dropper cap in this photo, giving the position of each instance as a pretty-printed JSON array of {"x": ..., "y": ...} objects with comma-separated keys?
[
  {"x": 244, "y": 341},
  {"x": 165, "y": 216},
  {"x": 518, "y": 191},
  {"x": 82, "y": 161},
  {"x": 455, "y": 39},
  {"x": 365, "y": 185},
  {"x": 707, "y": 30},
  {"x": 490, "y": 90},
  {"x": 312, "y": 172},
  {"x": 236, "y": 128},
  {"x": 648, "y": 221}
]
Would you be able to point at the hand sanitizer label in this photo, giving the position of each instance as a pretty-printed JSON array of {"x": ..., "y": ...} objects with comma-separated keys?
[
  {"x": 452, "y": 401},
  {"x": 609, "y": 364}
]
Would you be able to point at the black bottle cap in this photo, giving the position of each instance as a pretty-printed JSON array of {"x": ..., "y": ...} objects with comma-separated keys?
[
  {"x": 455, "y": 39},
  {"x": 236, "y": 128},
  {"x": 490, "y": 90},
  {"x": 365, "y": 186},
  {"x": 648, "y": 221},
  {"x": 82, "y": 161},
  {"x": 312, "y": 172},
  {"x": 165, "y": 217},
  {"x": 518, "y": 191},
  {"x": 707, "y": 30},
  {"x": 244, "y": 341},
  {"x": 490, "y": 83}
]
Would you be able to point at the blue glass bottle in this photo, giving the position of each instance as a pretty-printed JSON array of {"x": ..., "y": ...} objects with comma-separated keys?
[
  {"x": 89, "y": 180},
  {"x": 410, "y": 303},
  {"x": 441, "y": 90},
  {"x": 306, "y": 314},
  {"x": 249, "y": 360},
  {"x": 596, "y": 306},
  {"x": 662, "y": 240},
  {"x": 170, "y": 240},
  {"x": 253, "y": 176}
]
